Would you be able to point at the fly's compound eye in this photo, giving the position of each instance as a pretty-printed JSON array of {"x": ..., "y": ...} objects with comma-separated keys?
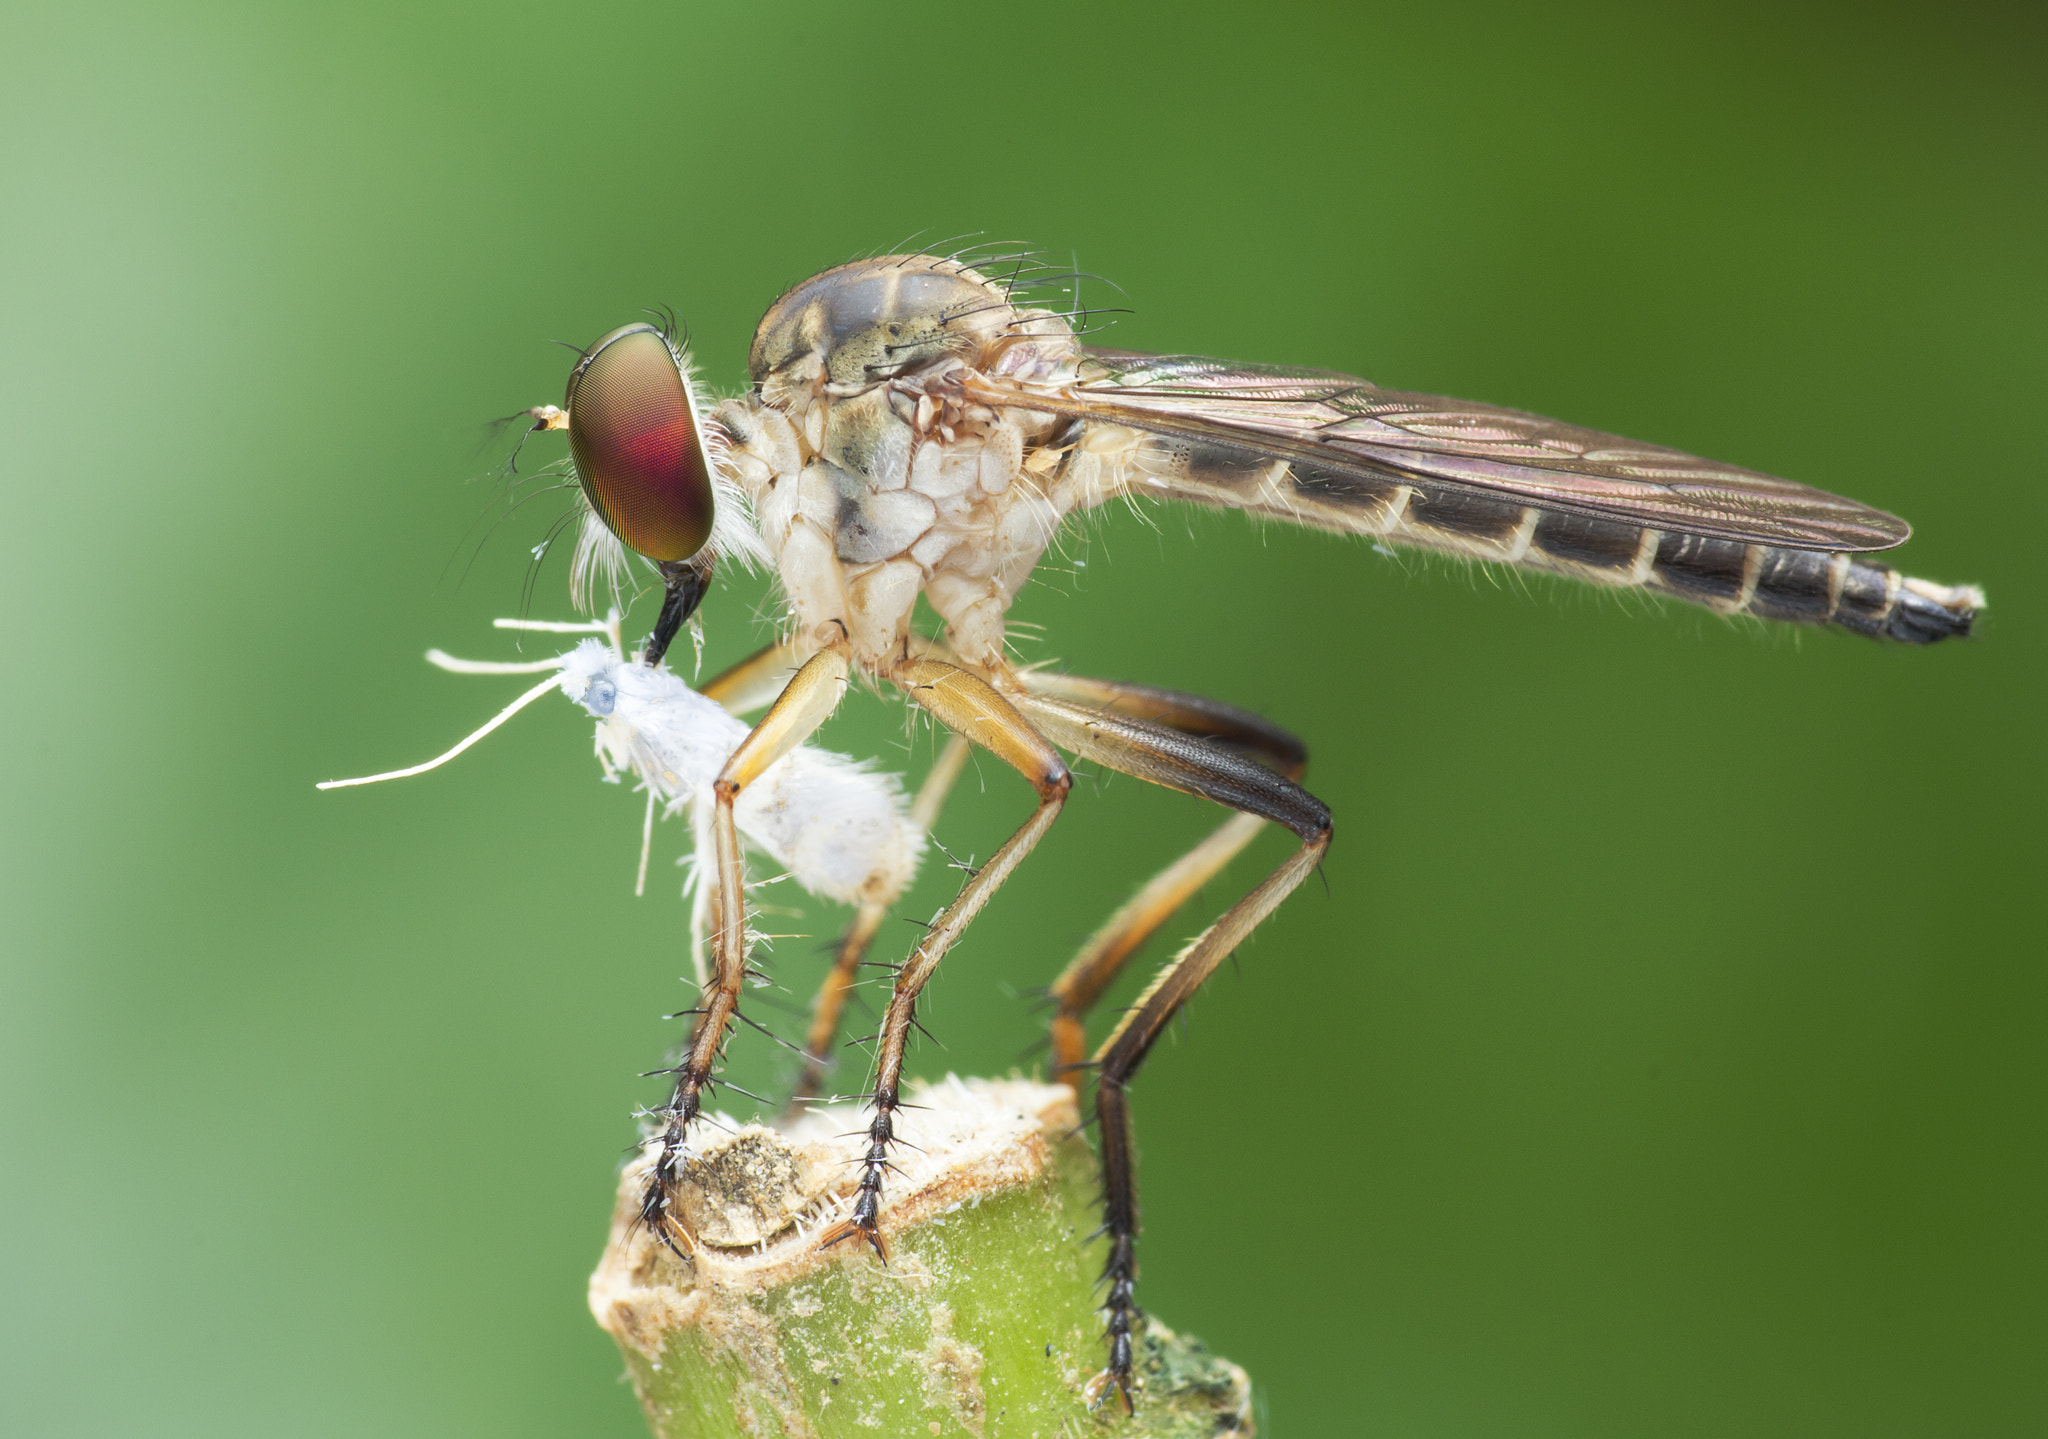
[{"x": 633, "y": 431}]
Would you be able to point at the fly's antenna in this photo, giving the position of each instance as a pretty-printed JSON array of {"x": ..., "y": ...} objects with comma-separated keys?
[
  {"x": 502, "y": 715},
  {"x": 495, "y": 430}
]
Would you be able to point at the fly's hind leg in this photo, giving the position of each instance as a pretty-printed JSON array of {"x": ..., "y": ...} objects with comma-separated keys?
[
  {"x": 830, "y": 1005},
  {"x": 1095, "y": 967},
  {"x": 970, "y": 707},
  {"x": 804, "y": 704},
  {"x": 1177, "y": 760}
]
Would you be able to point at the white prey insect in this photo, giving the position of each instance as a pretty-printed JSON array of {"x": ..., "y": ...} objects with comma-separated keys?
[{"x": 841, "y": 828}]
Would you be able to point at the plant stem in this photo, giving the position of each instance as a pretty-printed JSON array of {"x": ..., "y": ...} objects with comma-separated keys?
[{"x": 983, "y": 1323}]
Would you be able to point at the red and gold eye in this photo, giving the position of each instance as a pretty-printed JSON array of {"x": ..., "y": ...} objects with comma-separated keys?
[{"x": 639, "y": 452}]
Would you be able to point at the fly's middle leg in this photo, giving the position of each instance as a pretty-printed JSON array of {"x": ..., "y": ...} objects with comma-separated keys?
[
  {"x": 1177, "y": 760},
  {"x": 973, "y": 709},
  {"x": 804, "y": 704},
  {"x": 830, "y": 1004}
]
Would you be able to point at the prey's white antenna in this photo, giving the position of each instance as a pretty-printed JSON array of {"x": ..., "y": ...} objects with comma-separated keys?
[
  {"x": 454, "y": 666},
  {"x": 556, "y": 627},
  {"x": 504, "y": 714},
  {"x": 441, "y": 659},
  {"x": 608, "y": 627}
]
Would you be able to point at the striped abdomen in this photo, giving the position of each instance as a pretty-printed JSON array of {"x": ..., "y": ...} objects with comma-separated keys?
[
  {"x": 1806, "y": 586},
  {"x": 1768, "y": 581}
]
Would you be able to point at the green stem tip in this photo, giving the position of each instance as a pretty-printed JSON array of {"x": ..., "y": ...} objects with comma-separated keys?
[{"x": 983, "y": 1323}]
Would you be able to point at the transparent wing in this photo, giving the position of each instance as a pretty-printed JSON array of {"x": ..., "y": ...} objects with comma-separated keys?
[{"x": 1338, "y": 423}]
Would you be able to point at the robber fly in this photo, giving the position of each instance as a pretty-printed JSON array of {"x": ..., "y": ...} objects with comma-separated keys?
[{"x": 913, "y": 427}]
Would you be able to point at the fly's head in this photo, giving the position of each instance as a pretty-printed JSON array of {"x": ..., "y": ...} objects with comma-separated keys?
[
  {"x": 648, "y": 465},
  {"x": 639, "y": 446}
]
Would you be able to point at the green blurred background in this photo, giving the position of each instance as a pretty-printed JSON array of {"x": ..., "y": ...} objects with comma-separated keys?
[{"x": 1664, "y": 1055}]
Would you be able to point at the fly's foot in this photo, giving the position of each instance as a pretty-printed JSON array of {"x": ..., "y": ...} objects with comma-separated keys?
[
  {"x": 657, "y": 1198},
  {"x": 864, "y": 1222},
  {"x": 1122, "y": 1320},
  {"x": 1097, "y": 1390},
  {"x": 657, "y": 1213}
]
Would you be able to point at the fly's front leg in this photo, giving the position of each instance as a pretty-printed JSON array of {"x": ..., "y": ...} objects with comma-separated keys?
[
  {"x": 1082, "y": 983},
  {"x": 747, "y": 686},
  {"x": 755, "y": 681},
  {"x": 970, "y": 707},
  {"x": 1173, "y": 758},
  {"x": 830, "y": 1005},
  {"x": 802, "y": 706}
]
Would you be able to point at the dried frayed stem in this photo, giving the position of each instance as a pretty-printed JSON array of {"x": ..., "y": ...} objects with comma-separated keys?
[{"x": 984, "y": 1323}]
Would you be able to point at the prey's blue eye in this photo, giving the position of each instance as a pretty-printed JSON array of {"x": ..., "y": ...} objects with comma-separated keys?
[{"x": 601, "y": 698}]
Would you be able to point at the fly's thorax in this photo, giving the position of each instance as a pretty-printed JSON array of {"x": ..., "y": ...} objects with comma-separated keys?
[
  {"x": 872, "y": 479},
  {"x": 879, "y": 319},
  {"x": 904, "y": 324},
  {"x": 884, "y": 507}
]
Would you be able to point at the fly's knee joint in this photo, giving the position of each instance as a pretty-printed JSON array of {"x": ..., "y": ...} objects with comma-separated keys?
[
  {"x": 1069, "y": 1046},
  {"x": 727, "y": 790},
  {"x": 1056, "y": 786},
  {"x": 1312, "y": 826}
]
